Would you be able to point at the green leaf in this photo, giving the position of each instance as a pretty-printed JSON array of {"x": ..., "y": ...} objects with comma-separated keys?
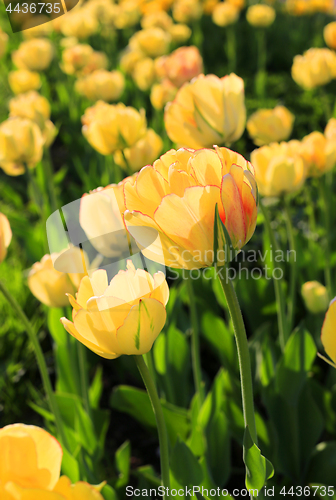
[
  {"x": 258, "y": 468},
  {"x": 222, "y": 244},
  {"x": 184, "y": 465},
  {"x": 215, "y": 331},
  {"x": 322, "y": 466},
  {"x": 109, "y": 493},
  {"x": 96, "y": 388},
  {"x": 122, "y": 459},
  {"x": 219, "y": 449},
  {"x": 70, "y": 466}
]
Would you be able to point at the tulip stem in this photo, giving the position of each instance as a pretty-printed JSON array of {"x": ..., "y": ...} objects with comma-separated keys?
[
  {"x": 243, "y": 354},
  {"x": 40, "y": 361},
  {"x": 48, "y": 172},
  {"x": 292, "y": 260},
  {"x": 231, "y": 48},
  {"x": 195, "y": 344},
  {"x": 260, "y": 79},
  {"x": 84, "y": 383},
  {"x": 127, "y": 165},
  {"x": 325, "y": 208},
  {"x": 279, "y": 295},
  {"x": 160, "y": 422}
]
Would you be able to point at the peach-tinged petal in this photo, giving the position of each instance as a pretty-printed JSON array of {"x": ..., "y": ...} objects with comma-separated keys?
[
  {"x": 250, "y": 210},
  {"x": 17, "y": 493},
  {"x": 161, "y": 289},
  {"x": 234, "y": 212},
  {"x": 179, "y": 181},
  {"x": 141, "y": 327},
  {"x": 207, "y": 167},
  {"x": 78, "y": 491},
  {"x": 148, "y": 191},
  {"x": 328, "y": 336}
]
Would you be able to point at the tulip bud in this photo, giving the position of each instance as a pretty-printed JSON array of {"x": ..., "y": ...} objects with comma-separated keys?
[
  {"x": 260, "y": 15},
  {"x": 314, "y": 68},
  {"x": 109, "y": 127},
  {"x": 124, "y": 316},
  {"x": 328, "y": 334},
  {"x": 270, "y": 125},
  {"x": 22, "y": 80},
  {"x": 34, "y": 55},
  {"x": 5, "y": 236},
  {"x": 208, "y": 110},
  {"x": 279, "y": 168},
  {"x": 319, "y": 153},
  {"x": 180, "y": 66},
  {"x": 161, "y": 93},
  {"x": 315, "y": 297},
  {"x": 21, "y": 144},
  {"x": 225, "y": 13},
  {"x": 101, "y": 85},
  {"x": 153, "y": 42},
  {"x": 144, "y": 152},
  {"x": 179, "y": 33}
]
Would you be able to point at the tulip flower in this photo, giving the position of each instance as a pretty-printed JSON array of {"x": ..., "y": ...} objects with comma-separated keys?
[
  {"x": 330, "y": 130},
  {"x": 143, "y": 73},
  {"x": 176, "y": 199},
  {"x": 21, "y": 144},
  {"x": 157, "y": 20},
  {"x": 101, "y": 85},
  {"x": 225, "y": 13},
  {"x": 270, "y": 125},
  {"x": 34, "y": 55},
  {"x": 319, "y": 154},
  {"x": 109, "y": 127},
  {"x": 161, "y": 93},
  {"x": 3, "y": 42},
  {"x": 315, "y": 297},
  {"x": 187, "y": 11},
  {"x": 153, "y": 42},
  {"x": 126, "y": 14},
  {"x": 81, "y": 60},
  {"x": 30, "y": 464},
  {"x": 328, "y": 334},
  {"x": 100, "y": 217},
  {"x": 79, "y": 23},
  {"x": 279, "y": 168},
  {"x": 129, "y": 58},
  {"x": 260, "y": 15},
  {"x": 329, "y": 34},
  {"x": 49, "y": 284},
  {"x": 144, "y": 152},
  {"x": 180, "y": 66},
  {"x": 208, "y": 110},
  {"x": 179, "y": 33},
  {"x": 123, "y": 317},
  {"x": 23, "y": 80},
  {"x": 5, "y": 236},
  {"x": 314, "y": 68}
]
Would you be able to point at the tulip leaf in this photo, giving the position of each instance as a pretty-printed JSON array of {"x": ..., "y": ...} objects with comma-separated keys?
[
  {"x": 96, "y": 388},
  {"x": 222, "y": 242},
  {"x": 258, "y": 468},
  {"x": 323, "y": 464},
  {"x": 122, "y": 459},
  {"x": 70, "y": 466},
  {"x": 184, "y": 465},
  {"x": 109, "y": 493},
  {"x": 222, "y": 341}
]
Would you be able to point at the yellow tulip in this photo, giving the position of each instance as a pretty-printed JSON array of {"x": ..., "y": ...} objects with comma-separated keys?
[
  {"x": 315, "y": 67},
  {"x": 79, "y": 23},
  {"x": 176, "y": 198},
  {"x": 101, "y": 85},
  {"x": 330, "y": 130},
  {"x": 22, "y": 80},
  {"x": 161, "y": 93},
  {"x": 21, "y": 144},
  {"x": 329, "y": 34},
  {"x": 29, "y": 457},
  {"x": 50, "y": 285},
  {"x": 319, "y": 153},
  {"x": 109, "y": 127},
  {"x": 78, "y": 491},
  {"x": 81, "y": 59},
  {"x": 260, "y": 15},
  {"x": 180, "y": 33},
  {"x": 3, "y": 42},
  {"x": 328, "y": 334},
  {"x": 187, "y": 11},
  {"x": 153, "y": 42},
  {"x": 144, "y": 73},
  {"x": 34, "y": 55},
  {"x": 225, "y": 13},
  {"x": 144, "y": 152},
  {"x": 157, "y": 20},
  {"x": 123, "y": 317},
  {"x": 180, "y": 66},
  {"x": 270, "y": 125},
  {"x": 5, "y": 236},
  {"x": 129, "y": 58},
  {"x": 279, "y": 168},
  {"x": 208, "y": 110},
  {"x": 126, "y": 15},
  {"x": 315, "y": 297},
  {"x": 100, "y": 217}
]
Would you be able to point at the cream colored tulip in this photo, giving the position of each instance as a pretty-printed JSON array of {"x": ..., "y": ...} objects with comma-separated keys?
[
  {"x": 101, "y": 85},
  {"x": 153, "y": 42},
  {"x": 260, "y": 15},
  {"x": 314, "y": 68},
  {"x": 5, "y": 236},
  {"x": 34, "y": 55},
  {"x": 319, "y": 153},
  {"x": 144, "y": 152},
  {"x": 79, "y": 23},
  {"x": 270, "y": 125},
  {"x": 207, "y": 111}
]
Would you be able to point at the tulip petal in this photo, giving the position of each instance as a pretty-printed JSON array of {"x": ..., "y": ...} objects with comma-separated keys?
[
  {"x": 207, "y": 167},
  {"x": 161, "y": 288},
  {"x": 141, "y": 327},
  {"x": 18, "y": 493},
  {"x": 78, "y": 491},
  {"x": 234, "y": 211},
  {"x": 328, "y": 335}
]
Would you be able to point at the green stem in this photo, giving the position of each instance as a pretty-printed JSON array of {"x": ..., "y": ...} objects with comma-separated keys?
[
  {"x": 243, "y": 354},
  {"x": 160, "y": 422},
  {"x": 84, "y": 383},
  {"x": 40, "y": 361},
  {"x": 195, "y": 344},
  {"x": 48, "y": 172},
  {"x": 325, "y": 208},
  {"x": 127, "y": 168},
  {"x": 231, "y": 48},
  {"x": 292, "y": 282},
  {"x": 262, "y": 60},
  {"x": 279, "y": 295},
  {"x": 150, "y": 365}
]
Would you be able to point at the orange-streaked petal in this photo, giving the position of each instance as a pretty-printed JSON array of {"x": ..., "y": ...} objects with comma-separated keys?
[{"x": 234, "y": 211}]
